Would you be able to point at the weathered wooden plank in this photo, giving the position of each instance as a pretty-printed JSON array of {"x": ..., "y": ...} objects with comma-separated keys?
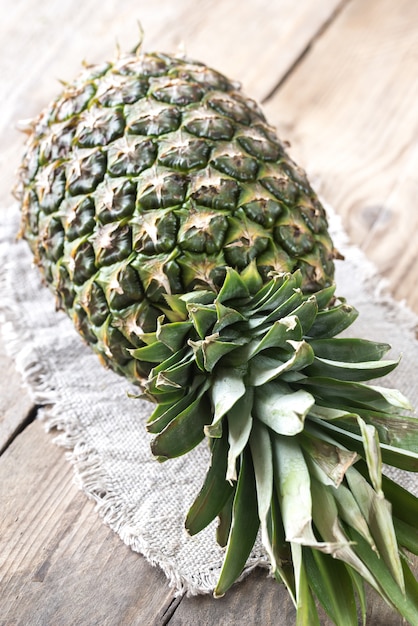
[
  {"x": 15, "y": 403},
  {"x": 213, "y": 31},
  {"x": 59, "y": 564},
  {"x": 350, "y": 113},
  {"x": 255, "y": 42},
  {"x": 392, "y": 239},
  {"x": 255, "y": 600},
  {"x": 261, "y": 600}
]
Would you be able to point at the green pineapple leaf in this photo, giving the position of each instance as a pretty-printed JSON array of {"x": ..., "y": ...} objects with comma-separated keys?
[
  {"x": 215, "y": 491},
  {"x": 333, "y": 321},
  {"x": 349, "y": 350},
  {"x": 244, "y": 528},
  {"x": 405, "y": 602},
  {"x": 240, "y": 426},
  {"x": 185, "y": 431},
  {"x": 331, "y": 582}
]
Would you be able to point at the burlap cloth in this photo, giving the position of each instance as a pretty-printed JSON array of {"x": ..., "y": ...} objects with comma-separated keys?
[{"x": 103, "y": 428}]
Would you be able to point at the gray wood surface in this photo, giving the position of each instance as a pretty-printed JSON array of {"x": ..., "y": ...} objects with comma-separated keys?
[{"x": 339, "y": 78}]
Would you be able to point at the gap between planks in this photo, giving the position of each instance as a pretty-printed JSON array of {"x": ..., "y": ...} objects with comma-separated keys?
[
  {"x": 309, "y": 44},
  {"x": 16, "y": 407},
  {"x": 59, "y": 564}
]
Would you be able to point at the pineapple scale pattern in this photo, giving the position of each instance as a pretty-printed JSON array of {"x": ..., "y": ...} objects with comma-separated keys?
[{"x": 149, "y": 176}]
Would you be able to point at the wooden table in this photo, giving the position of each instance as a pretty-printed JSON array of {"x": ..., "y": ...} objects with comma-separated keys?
[{"x": 339, "y": 79}]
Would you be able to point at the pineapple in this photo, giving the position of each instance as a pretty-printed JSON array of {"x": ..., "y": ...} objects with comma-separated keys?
[{"x": 193, "y": 256}]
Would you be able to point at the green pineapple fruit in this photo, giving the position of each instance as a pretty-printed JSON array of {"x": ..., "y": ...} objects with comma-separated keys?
[
  {"x": 194, "y": 257},
  {"x": 150, "y": 176}
]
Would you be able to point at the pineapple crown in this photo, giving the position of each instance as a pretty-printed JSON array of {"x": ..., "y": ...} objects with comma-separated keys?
[{"x": 296, "y": 436}]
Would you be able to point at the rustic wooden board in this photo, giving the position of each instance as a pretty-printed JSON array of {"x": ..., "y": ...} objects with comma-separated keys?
[
  {"x": 59, "y": 564},
  {"x": 350, "y": 112},
  {"x": 258, "y": 600},
  {"x": 256, "y": 42},
  {"x": 15, "y": 404}
]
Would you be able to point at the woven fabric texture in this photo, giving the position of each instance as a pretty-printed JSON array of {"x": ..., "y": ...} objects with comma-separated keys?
[{"x": 103, "y": 427}]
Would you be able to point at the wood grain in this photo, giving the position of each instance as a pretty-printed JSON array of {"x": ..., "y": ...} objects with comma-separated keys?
[
  {"x": 256, "y": 600},
  {"x": 59, "y": 564},
  {"x": 15, "y": 403},
  {"x": 256, "y": 43},
  {"x": 261, "y": 600},
  {"x": 349, "y": 110}
]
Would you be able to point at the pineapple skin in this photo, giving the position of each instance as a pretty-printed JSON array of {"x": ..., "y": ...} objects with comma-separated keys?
[{"x": 149, "y": 176}]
